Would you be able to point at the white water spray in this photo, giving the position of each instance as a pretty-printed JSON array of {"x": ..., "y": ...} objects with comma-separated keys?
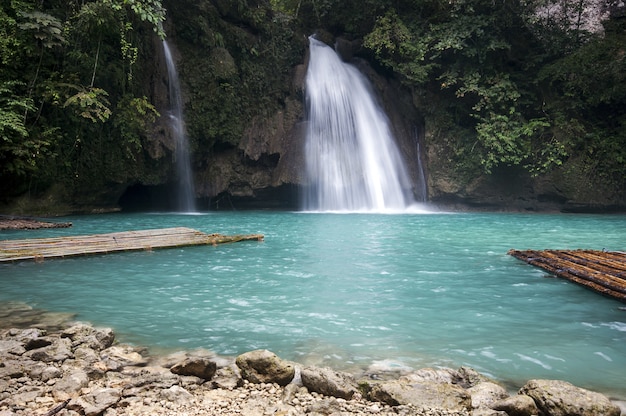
[
  {"x": 352, "y": 161},
  {"x": 186, "y": 192}
]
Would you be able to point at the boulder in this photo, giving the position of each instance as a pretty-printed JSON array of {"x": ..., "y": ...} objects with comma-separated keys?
[
  {"x": 486, "y": 393},
  {"x": 263, "y": 366},
  {"x": 27, "y": 394},
  {"x": 226, "y": 378},
  {"x": 13, "y": 368},
  {"x": 86, "y": 355},
  {"x": 329, "y": 382},
  {"x": 195, "y": 366},
  {"x": 88, "y": 336},
  {"x": 327, "y": 406},
  {"x": 43, "y": 372},
  {"x": 96, "y": 402},
  {"x": 72, "y": 383},
  {"x": 58, "y": 350},
  {"x": 519, "y": 405},
  {"x": 11, "y": 347},
  {"x": 26, "y": 335},
  {"x": 424, "y": 394},
  {"x": 177, "y": 394},
  {"x": 35, "y": 343},
  {"x": 560, "y": 398},
  {"x": 117, "y": 357},
  {"x": 468, "y": 377},
  {"x": 435, "y": 375},
  {"x": 50, "y": 373},
  {"x": 139, "y": 382}
]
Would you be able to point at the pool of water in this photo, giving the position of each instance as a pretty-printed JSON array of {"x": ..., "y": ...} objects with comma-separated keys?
[{"x": 351, "y": 291}]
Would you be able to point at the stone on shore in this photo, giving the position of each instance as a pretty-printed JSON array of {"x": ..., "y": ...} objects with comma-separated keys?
[
  {"x": 81, "y": 371},
  {"x": 117, "y": 357},
  {"x": 88, "y": 336},
  {"x": 329, "y": 382},
  {"x": 96, "y": 402},
  {"x": 422, "y": 393},
  {"x": 518, "y": 405},
  {"x": 263, "y": 366},
  {"x": 201, "y": 367},
  {"x": 560, "y": 398},
  {"x": 486, "y": 394}
]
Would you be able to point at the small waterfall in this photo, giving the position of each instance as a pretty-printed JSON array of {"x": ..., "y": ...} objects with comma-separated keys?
[
  {"x": 186, "y": 192},
  {"x": 352, "y": 161},
  {"x": 422, "y": 187}
]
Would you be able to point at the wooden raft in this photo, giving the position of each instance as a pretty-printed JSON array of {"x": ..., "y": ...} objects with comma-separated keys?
[
  {"x": 48, "y": 248},
  {"x": 601, "y": 271}
]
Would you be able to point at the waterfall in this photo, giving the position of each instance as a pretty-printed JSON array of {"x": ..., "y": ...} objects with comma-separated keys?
[
  {"x": 185, "y": 190},
  {"x": 352, "y": 161},
  {"x": 421, "y": 192}
]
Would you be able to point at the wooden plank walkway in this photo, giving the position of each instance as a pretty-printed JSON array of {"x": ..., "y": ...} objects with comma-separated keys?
[
  {"x": 601, "y": 271},
  {"x": 48, "y": 248}
]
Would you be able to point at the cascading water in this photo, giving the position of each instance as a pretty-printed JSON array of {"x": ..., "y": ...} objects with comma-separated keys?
[
  {"x": 352, "y": 161},
  {"x": 421, "y": 192},
  {"x": 186, "y": 192}
]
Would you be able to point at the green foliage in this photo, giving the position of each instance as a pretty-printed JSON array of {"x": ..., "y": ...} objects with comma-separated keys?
[
  {"x": 399, "y": 48},
  {"x": 9, "y": 43},
  {"x": 507, "y": 140},
  {"x": 481, "y": 60},
  {"x": 71, "y": 110},
  {"x": 133, "y": 116},
  {"x": 20, "y": 150},
  {"x": 594, "y": 74},
  {"x": 46, "y": 29},
  {"x": 91, "y": 104},
  {"x": 151, "y": 11}
]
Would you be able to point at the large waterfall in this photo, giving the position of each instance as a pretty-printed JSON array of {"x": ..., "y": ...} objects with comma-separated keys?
[
  {"x": 352, "y": 161},
  {"x": 185, "y": 190}
]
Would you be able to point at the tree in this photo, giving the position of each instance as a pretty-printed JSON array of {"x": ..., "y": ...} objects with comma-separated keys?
[
  {"x": 55, "y": 113},
  {"x": 480, "y": 61}
]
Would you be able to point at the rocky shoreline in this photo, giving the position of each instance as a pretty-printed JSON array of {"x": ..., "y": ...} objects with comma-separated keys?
[
  {"x": 50, "y": 365},
  {"x": 22, "y": 223}
]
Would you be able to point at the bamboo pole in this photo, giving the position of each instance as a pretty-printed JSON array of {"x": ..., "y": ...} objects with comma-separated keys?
[{"x": 604, "y": 272}]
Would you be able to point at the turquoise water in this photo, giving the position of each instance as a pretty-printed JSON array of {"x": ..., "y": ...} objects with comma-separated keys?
[{"x": 351, "y": 291}]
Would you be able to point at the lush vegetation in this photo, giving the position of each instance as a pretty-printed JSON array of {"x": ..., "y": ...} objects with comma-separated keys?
[
  {"x": 527, "y": 83},
  {"x": 71, "y": 109},
  {"x": 524, "y": 86}
]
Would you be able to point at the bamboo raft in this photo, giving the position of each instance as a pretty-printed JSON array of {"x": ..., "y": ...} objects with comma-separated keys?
[
  {"x": 39, "y": 249},
  {"x": 601, "y": 271}
]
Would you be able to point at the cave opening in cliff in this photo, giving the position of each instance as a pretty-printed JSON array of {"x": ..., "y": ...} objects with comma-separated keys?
[{"x": 147, "y": 198}]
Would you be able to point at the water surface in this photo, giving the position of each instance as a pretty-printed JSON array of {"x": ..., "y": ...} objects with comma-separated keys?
[{"x": 351, "y": 291}]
